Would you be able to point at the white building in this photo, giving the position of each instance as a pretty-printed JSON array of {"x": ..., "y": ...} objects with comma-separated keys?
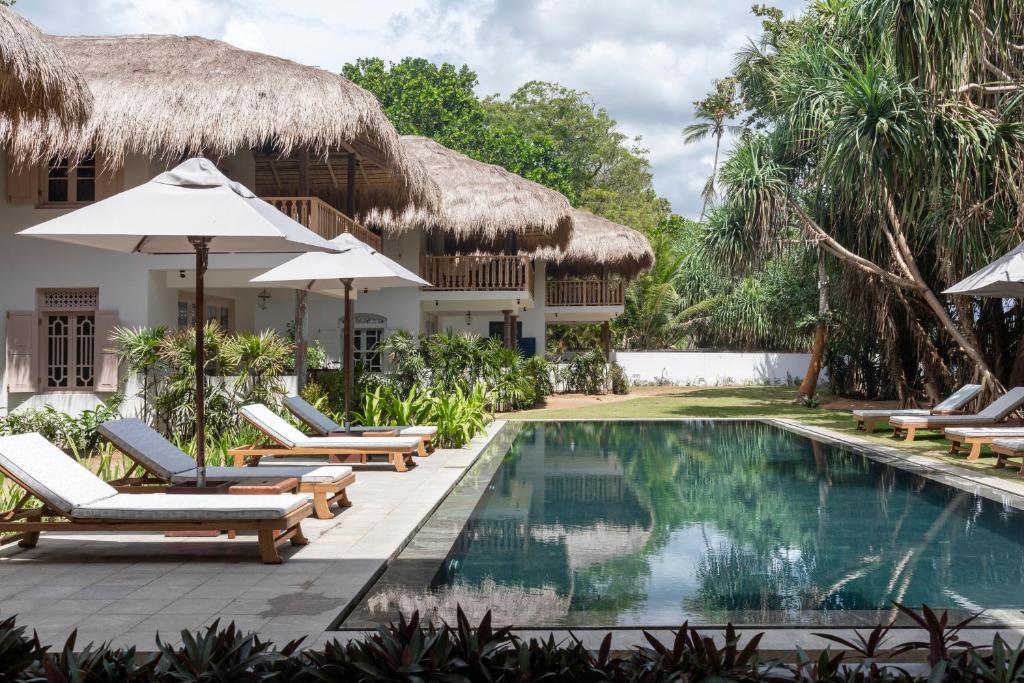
[{"x": 174, "y": 97}]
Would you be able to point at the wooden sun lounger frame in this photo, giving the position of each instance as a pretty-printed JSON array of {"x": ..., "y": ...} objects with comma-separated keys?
[
  {"x": 922, "y": 423},
  {"x": 325, "y": 493},
  {"x": 870, "y": 422},
  {"x": 1004, "y": 453},
  {"x": 25, "y": 525},
  {"x": 958, "y": 442},
  {"x": 251, "y": 454}
]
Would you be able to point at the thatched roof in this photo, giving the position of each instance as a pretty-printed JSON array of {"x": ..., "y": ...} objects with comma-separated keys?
[
  {"x": 36, "y": 78},
  {"x": 599, "y": 244},
  {"x": 173, "y": 96},
  {"x": 480, "y": 203}
]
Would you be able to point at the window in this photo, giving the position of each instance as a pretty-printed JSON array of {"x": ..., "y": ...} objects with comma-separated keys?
[
  {"x": 66, "y": 184},
  {"x": 217, "y": 308},
  {"x": 68, "y": 338},
  {"x": 367, "y": 333}
]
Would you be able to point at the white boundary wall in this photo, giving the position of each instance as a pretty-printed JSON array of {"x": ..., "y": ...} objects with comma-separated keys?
[{"x": 709, "y": 368}]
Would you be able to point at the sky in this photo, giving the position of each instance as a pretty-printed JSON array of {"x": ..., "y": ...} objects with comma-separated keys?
[{"x": 645, "y": 61}]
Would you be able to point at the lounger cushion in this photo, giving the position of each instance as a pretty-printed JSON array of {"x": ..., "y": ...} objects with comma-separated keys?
[
  {"x": 146, "y": 446},
  {"x": 1016, "y": 445},
  {"x": 406, "y": 443},
  {"x": 272, "y": 424},
  {"x": 163, "y": 507},
  {"x": 327, "y": 474},
  {"x": 890, "y": 413},
  {"x": 52, "y": 474},
  {"x": 1005, "y": 404},
  {"x": 959, "y": 398},
  {"x": 403, "y": 430},
  {"x": 984, "y": 432},
  {"x": 305, "y": 411},
  {"x": 936, "y": 421}
]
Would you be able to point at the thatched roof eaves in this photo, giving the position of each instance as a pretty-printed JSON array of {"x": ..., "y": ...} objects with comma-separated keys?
[{"x": 599, "y": 245}]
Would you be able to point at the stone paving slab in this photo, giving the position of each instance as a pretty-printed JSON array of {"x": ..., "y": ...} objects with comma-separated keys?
[{"x": 127, "y": 588}]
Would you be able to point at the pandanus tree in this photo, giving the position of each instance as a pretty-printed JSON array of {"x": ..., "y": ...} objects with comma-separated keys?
[{"x": 895, "y": 154}]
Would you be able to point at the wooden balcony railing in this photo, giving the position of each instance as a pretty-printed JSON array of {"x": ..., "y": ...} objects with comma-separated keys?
[
  {"x": 585, "y": 292},
  {"x": 477, "y": 273},
  {"x": 322, "y": 218}
]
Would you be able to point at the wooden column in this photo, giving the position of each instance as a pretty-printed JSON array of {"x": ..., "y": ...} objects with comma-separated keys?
[
  {"x": 301, "y": 343},
  {"x": 350, "y": 188},
  {"x": 507, "y": 329},
  {"x": 513, "y": 338},
  {"x": 606, "y": 340}
]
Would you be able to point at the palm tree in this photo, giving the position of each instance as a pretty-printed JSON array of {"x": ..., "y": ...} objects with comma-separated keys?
[{"x": 712, "y": 113}]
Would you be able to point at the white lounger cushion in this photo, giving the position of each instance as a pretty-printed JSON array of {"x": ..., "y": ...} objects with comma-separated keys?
[
  {"x": 322, "y": 424},
  {"x": 163, "y": 507},
  {"x": 278, "y": 429},
  {"x": 959, "y": 398},
  {"x": 984, "y": 432},
  {"x": 1016, "y": 445},
  {"x": 148, "y": 447},
  {"x": 879, "y": 412},
  {"x": 326, "y": 474},
  {"x": 942, "y": 420},
  {"x": 51, "y": 474}
]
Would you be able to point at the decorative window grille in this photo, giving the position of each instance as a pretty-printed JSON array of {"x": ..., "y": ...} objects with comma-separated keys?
[{"x": 69, "y": 339}]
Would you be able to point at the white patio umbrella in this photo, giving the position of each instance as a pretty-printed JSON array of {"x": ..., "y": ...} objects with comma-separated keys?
[
  {"x": 193, "y": 208},
  {"x": 357, "y": 266},
  {"x": 1003, "y": 278}
]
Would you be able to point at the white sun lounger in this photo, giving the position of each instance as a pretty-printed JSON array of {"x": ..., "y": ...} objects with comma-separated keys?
[
  {"x": 993, "y": 414},
  {"x": 869, "y": 419},
  {"x": 74, "y": 499},
  {"x": 977, "y": 437},
  {"x": 1009, "y": 448},
  {"x": 289, "y": 441},
  {"x": 165, "y": 462},
  {"x": 325, "y": 426}
]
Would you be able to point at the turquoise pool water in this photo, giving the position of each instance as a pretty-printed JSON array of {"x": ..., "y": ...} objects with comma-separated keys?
[{"x": 654, "y": 523}]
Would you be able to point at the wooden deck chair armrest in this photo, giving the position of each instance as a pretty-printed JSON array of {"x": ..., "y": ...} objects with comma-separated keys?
[{"x": 955, "y": 411}]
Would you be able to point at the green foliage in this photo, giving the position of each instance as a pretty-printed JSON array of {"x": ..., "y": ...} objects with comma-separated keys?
[
  {"x": 458, "y": 416},
  {"x": 76, "y": 435},
  {"x": 166, "y": 359},
  {"x": 587, "y": 373},
  {"x": 408, "y": 650}
]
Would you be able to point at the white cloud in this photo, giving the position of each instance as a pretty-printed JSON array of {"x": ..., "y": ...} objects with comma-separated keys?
[{"x": 645, "y": 62}]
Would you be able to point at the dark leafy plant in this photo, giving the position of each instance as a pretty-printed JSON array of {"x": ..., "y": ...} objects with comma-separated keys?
[
  {"x": 220, "y": 656},
  {"x": 96, "y": 664},
  {"x": 18, "y": 652}
]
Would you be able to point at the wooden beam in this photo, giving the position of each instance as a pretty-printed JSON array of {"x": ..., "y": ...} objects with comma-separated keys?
[
  {"x": 277, "y": 177},
  {"x": 304, "y": 171},
  {"x": 330, "y": 169},
  {"x": 350, "y": 188}
]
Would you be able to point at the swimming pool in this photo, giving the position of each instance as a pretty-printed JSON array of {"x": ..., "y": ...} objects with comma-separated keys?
[{"x": 653, "y": 523}]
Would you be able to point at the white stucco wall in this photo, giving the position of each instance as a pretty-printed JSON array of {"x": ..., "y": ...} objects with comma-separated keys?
[{"x": 715, "y": 368}]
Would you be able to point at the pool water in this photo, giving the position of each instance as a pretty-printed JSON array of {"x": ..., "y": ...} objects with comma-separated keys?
[{"x": 654, "y": 523}]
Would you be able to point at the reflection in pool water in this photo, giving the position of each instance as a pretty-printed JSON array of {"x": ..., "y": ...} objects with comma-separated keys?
[{"x": 653, "y": 523}]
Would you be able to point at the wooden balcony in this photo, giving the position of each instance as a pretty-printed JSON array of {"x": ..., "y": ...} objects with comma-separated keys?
[
  {"x": 585, "y": 292},
  {"x": 477, "y": 273},
  {"x": 323, "y": 219}
]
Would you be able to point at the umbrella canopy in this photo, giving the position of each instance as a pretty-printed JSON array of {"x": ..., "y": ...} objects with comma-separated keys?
[
  {"x": 360, "y": 263},
  {"x": 36, "y": 78},
  {"x": 191, "y": 208},
  {"x": 192, "y": 200},
  {"x": 357, "y": 266},
  {"x": 1003, "y": 278}
]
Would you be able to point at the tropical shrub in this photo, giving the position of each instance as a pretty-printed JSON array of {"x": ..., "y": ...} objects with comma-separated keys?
[
  {"x": 587, "y": 373},
  {"x": 458, "y": 416},
  {"x": 76, "y": 434},
  {"x": 413, "y": 651}
]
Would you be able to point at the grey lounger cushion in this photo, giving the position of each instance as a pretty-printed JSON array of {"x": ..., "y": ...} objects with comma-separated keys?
[
  {"x": 148, "y": 447},
  {"x": 993, "y": 412},
  {"x": 52, "y": 474},
  {"x": 321, "y": 424},
  {"x": 1015, "y": 445},
  {"x": 985, "y": 432},
  {"x": 958, "y": 399},
  {"x": 278, "y": 429},
  {"x": 163, "y": 507}
]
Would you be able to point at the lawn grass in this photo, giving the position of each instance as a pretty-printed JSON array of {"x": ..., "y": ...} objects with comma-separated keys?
[{"x": 761, "y": 402}]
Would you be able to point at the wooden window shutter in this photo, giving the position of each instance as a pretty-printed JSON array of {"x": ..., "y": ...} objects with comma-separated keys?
[
  {"x": 106, "y": 354},
  {"x": 108, "y": 181},
  {"x": 22, "y": 350},
  {"x": 22, "y": 183}
]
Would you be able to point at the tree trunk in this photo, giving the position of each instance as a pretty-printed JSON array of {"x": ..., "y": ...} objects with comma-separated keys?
[
  {"x": 810, "y": 384},
  {"x": 711, "y": 181}
]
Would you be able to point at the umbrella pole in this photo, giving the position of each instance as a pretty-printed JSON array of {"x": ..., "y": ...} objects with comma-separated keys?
[
  {"x": 202, "y": 246},
  {"x": 349, "y": 371}
]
